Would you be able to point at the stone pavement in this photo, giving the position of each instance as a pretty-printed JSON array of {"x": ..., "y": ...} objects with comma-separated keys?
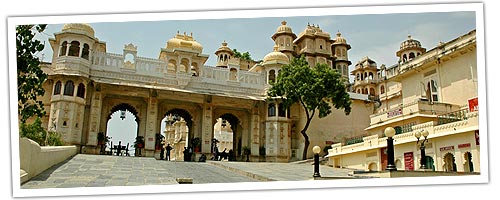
[
  {"x": 265, "y": 171},
  {"x": 99, "y": 171}
]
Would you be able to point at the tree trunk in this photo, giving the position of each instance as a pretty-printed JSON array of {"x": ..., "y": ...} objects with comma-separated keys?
[{"x": 306, "y": 144}]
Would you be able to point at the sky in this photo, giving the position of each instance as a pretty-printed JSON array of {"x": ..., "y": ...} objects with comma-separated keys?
[{"x": 377, "y": 36}]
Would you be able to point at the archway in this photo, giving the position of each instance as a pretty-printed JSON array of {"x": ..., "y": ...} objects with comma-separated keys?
[
  {"x": 123, "y": 127},
  {"x": 372, "y": 167},
  {"x": 176, "y": 130},
  {"x": 227, "y": 136},
  {"x": 429, "y": 163},
  {"x": 449, "y": 163},
  {"x": 468, "y": 166}
]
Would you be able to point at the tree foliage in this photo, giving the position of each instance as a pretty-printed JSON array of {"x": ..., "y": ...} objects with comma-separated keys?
[
  {"x": 37, "y": 133},
  {"x": 30, "y": 76},
  {"x": 244, "y": 56},
  {"x": 315, "y": 89}
]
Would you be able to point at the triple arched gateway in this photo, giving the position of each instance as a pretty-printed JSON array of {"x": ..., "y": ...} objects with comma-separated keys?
[{"x": 179, "y": 100}]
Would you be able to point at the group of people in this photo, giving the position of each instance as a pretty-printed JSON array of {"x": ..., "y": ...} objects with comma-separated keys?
[{"x": 188, "y": 153}]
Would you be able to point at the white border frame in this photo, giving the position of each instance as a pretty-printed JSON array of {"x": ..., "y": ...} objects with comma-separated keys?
[{"x": 476, "y": 7}]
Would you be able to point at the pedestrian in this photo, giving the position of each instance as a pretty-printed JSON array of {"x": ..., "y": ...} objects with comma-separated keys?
[
  {"x": 185, "y": 153},
  {"x": 223, "y": 155},
  {"x": 216, "y": 152},
  {"x": 162, "y": 151},
  {"x": 168, "y": 148}
]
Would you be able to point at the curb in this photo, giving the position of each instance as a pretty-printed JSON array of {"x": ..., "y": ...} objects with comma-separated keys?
[{"x": 241, "y": 172}]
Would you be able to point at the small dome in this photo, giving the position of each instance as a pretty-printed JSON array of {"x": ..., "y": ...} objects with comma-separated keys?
[
  {"x": 79, "y": 28},
  {"x": 410, "y": 44},
  {"x": 224, "y": 48},
  {"x": 284, "y": 28},
  {"x": 184, "y": 42},
  {"x": 339, "y": 39},
  {"x": 276, "y": 57}
]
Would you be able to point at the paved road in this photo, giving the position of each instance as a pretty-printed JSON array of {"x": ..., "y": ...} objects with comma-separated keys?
[{"x": 98, "y": 171}]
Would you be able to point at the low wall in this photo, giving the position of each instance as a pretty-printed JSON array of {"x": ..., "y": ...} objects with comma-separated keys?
[{"x": 35, "y": 159}]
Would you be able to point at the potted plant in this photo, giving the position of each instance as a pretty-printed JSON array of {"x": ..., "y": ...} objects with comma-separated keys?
[
  {"x": 158, "y": 141},
  {"x": 196, "y": 142},
  {"x": 247, "y": 151},
  {"x": 139, "y": 144},
  {"x": 102, "y": 139}
]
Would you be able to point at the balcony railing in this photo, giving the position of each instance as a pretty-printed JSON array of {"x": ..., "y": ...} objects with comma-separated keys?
[{"x": 459, "y": 115}]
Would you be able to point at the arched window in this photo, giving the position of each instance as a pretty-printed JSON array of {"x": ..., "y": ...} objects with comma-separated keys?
[
  {"x": 81, "y": 91},
  {"x": 370, "y": 76},
  {"x": 359, "y": 91},
  {"x": 343, "y": 53},
  {"x": 404, "y": 58},
  {"x": 69, "y": 88},
  {"x": 64, "y": 46},
  {"x": 85, "y": 51},
  {"x": 225, "y": 57},
  {"x": 337, "y": 52},
  {"x": 272, "y": 76},
  {"x": 74, "y": 49},
  {"x": 57, "y": 88},
  {"x": 281, "y": 110},
  {"x": 271, "y": 110},
  {"x": 412, "y": 55},
  {"x": 382, "y": 89},
  {"x": 233, "y": 74},
  {"x": 372, "y": 91},
  {"x": 346, "y": 70},
  {"x": 357, "y": 77},
  {"x": 320, "y": 46}
]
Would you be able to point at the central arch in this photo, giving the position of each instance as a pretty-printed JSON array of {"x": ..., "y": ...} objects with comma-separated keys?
[
  {"x": 119, "y": 127},
  {"x": 177, "y": 130},
  {"x": 230, "y": 120}
]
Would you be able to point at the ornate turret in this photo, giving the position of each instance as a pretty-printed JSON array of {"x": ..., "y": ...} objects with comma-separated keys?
[
  {"x": 224, "y": 54},
  {"x": 184, "y": 42},
  {"x": 409, "y": 49},
  {"x": 283, "y": 39}
]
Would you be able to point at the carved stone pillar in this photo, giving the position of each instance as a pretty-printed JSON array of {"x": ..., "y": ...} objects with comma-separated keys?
[
  {"x": 152, "y": 113},
  {"x": 95, "y": 117}
]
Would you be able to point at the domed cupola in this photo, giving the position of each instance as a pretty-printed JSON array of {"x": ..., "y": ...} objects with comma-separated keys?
[
  {"x": 224, "y": 54},
  {"x": 275, "y": 57},
  {"x": 184, "y": 42},
  {"x": 79, "y": 28},
  {"x": 409, "y": 49}
]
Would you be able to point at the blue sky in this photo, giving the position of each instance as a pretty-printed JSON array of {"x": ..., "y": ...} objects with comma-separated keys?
[{"x": 375, "y": 35}]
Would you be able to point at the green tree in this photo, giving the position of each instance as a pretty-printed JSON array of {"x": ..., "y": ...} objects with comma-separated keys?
[
  {"x": 30, "y": 76},
  {"x": 37, "y": 133},
  {"x": 315, "y": 89},
  {"x": 243, "y": 56}
]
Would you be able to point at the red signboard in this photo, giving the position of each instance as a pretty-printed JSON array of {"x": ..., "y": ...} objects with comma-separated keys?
[
  {"x": 383, "y": 158},
  {"x": 446, "y": 148},
  {"x": 473, "y": 105},
  {"x": 394, "y": 113},
  {"x": 476, "y": 133},
  {"x": 464, "y": 145},
  {"x": 409, "y": 164}
]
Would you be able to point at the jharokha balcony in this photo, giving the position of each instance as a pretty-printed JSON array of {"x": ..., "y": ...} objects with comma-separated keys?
[{"x": 417, "y": 108}]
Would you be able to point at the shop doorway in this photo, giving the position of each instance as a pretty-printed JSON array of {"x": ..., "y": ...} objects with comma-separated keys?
[{"x": 449, "y": 163}]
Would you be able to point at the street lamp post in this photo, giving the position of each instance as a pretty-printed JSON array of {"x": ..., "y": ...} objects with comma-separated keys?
[
  {"x": 422, "y": 142},
  {"x": 390, "y": 132},
  {"x": 316, "y": 151}
]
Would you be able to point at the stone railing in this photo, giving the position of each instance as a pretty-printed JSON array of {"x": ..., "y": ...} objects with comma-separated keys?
[
  {"x": 108, "y": 67},
  {"x": 35, "y": 159},
  {"x": 415, "y": 107}
]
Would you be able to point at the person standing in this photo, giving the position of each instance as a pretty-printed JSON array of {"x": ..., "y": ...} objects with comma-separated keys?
[{"x": 168, "y": 149}]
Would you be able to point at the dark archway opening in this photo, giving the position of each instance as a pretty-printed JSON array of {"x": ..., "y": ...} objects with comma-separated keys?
[{"x": 227, "y": 136}]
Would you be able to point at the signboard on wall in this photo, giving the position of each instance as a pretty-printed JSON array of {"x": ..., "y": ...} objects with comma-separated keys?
[
  {"x": 409, "y": 164},
  {"x": 473, "y": 104}
]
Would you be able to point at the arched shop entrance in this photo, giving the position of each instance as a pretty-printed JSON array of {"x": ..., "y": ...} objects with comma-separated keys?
[
  {"x": 176, "y": 130},
  {"x": 122, "y": 127},
  {"x": 449, "y": 163}
]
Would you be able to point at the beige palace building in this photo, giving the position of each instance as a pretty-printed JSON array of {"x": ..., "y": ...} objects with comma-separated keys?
[
  {"x": 434, "y": 90},
  {"x": 87, "y": 84}
]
